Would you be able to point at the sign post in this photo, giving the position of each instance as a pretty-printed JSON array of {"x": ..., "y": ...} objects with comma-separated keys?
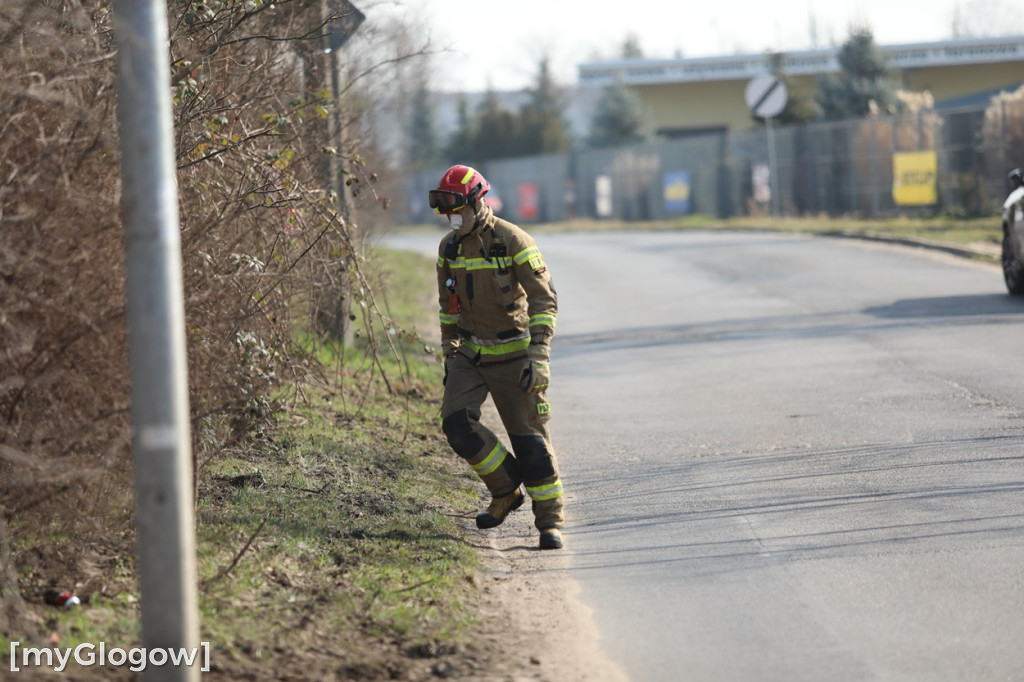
[
  {"x": 766, "y": 96},
  {"x": 340, "y": 19},
  {"x": 161, "y": 443}
]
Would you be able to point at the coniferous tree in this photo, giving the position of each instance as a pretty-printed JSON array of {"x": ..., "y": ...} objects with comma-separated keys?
[
  {"x": 424, "y": 145},
  {"x": 460, "y": 144},
  {"x": 618, "y": 118},
  {"x": 631, "y": 48},
  {"x": 864, "y": 84},
  {"x": 496, "y": 134},
  {"x": 543, "y": 129}
]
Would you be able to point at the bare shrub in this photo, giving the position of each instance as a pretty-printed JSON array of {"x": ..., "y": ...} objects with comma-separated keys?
[
  {"x": 261, "y": 243},
  {"x": 63, "y": 373},
  {"x": 1002, "y": 133},
  {"x": 916, "y": 128}
]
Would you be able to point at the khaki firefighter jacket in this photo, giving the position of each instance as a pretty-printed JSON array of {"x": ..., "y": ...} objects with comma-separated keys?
[{"x": 494, "y": 292}]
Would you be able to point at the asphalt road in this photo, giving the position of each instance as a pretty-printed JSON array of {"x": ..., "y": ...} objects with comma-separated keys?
[{"x": 791, "y": 458}]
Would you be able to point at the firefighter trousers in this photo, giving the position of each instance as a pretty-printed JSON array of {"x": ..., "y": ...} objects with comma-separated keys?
[{"x": 531, "y": 462}]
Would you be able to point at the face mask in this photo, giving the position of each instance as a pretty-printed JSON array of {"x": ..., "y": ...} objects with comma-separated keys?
[{"x": 455, "y": 221}]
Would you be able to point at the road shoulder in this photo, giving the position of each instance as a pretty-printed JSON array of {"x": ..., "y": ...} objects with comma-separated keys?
[{"x": 534, "y": 626}]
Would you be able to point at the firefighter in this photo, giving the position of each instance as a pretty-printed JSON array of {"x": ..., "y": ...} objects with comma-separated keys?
[{"x": 497, "y": 315}]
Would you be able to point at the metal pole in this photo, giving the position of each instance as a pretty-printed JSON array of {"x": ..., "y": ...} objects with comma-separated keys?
[
  {"x": 975, "y": 173},
  {"x": 156, "y": 326},
  {"x": 772, "y": 182},
  {"x": 345, "y": 205},
  {"x": 330, "y": 10},
  {"x": 874, "y": 184},
  {"x": 330, "y": 77}
]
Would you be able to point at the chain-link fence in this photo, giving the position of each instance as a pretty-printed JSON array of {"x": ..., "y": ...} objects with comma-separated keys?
[{"x": 953, "y": 162}]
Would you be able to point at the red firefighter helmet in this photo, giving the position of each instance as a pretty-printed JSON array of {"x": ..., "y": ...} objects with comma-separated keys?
[{"x": 459, "y": 186}]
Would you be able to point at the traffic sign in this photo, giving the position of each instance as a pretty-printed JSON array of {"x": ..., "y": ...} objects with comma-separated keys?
[{"x": 766, "y": 95}]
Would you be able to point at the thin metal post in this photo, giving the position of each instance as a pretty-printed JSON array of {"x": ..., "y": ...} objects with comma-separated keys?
[
  {"x": 333, "y": 37},
  {"x": 874, "y": 183},
  {"x": 851, "y": 157},
  {"x": 155, "y": 306},
  {"x": 773, "y": 183},
  {"x": 975, "y": 173}
]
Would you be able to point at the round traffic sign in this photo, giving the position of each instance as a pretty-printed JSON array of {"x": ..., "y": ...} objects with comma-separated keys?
[{"x": 766, "y": 95}]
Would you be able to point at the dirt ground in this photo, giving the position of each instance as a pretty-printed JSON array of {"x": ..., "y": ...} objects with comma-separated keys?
[{"x": 539, "y": 630}]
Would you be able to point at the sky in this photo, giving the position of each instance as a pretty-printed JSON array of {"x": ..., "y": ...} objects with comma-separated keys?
[{"x": 498, "y": 43}]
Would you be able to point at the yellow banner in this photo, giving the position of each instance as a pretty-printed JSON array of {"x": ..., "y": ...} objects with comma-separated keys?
[{"x": 913, "y": 178}]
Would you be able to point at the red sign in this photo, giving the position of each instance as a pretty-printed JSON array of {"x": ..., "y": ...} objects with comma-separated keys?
[{"x": 529, "y": 201}]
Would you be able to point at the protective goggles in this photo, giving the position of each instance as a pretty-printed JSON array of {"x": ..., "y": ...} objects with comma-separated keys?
[{"x": 444, "y": 201}]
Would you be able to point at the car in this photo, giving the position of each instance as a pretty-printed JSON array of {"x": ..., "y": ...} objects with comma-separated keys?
[{"x": 1013, "y": 235}]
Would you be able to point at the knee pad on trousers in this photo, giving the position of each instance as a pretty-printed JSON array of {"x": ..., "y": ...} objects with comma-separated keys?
[
  {"x": 461, "y": 436},
  {"x": 535, "y": 461}
]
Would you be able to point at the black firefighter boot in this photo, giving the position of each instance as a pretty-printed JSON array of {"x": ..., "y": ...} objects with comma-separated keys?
[
  {"x": 499, "y": 508},
  {"x": 551, "y": 538}
]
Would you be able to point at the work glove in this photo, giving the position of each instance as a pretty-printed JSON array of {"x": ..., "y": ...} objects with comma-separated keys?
[
  {"x": 448, "y": 350},
  {"x": 449, "y": 346},
  {"x": 536, "y": 375}
]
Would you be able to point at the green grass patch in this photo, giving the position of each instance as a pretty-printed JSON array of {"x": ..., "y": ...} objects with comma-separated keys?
[
  {"x": 940, "y": 229},
  {"x": 345, "y": 531}
]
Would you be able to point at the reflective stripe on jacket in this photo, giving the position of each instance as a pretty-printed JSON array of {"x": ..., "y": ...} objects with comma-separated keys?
[{"x": 503, "y": 296}]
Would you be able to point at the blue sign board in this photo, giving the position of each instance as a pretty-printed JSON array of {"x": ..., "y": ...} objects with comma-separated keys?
[{"x": 677, "y": 192}]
